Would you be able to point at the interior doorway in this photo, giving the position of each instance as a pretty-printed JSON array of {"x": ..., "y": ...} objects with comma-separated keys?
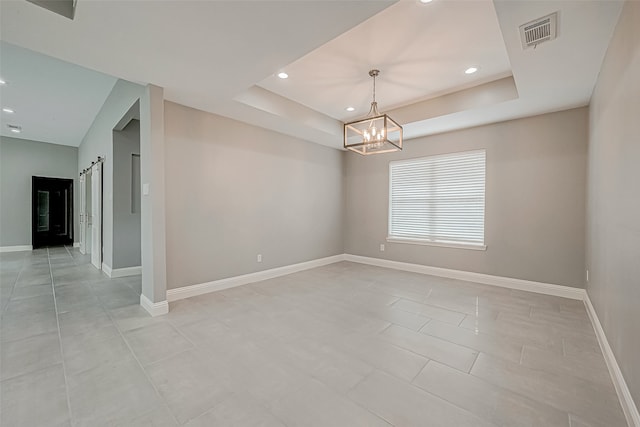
[
  {"x": 85, "y": 212},
  {"x": 52, "y": 211},
  {"x": 126, "y": 256}
]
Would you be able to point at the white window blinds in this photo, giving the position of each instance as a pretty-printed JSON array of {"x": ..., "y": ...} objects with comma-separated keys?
[{"x": 438, "y": 199}]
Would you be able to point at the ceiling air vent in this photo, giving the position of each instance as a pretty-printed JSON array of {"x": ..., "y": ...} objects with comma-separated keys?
[{"x": 539, "y": 31}]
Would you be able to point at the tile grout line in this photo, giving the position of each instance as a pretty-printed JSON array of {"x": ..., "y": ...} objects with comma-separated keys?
[
  {"x": 466, "y": 346},
  {"x": 64, "y": 367},
  {"x": 146, "y": 374},
  {"x": 419, "y": 372},
  {"x": 474, "y": 362},
  {"x": 13, "y": 288},
  {"x": 437, "y": 396},
  {"x": 350, "y": 399}
]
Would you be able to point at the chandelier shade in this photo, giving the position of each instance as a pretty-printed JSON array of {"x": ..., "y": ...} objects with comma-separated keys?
[{"x": 375, "y": 134}]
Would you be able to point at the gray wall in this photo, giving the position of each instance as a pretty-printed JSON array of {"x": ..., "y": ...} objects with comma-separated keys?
[
  {"x": 614, "y": 196},
  {"x": 535, "y": 200},
  {"x": 20, "y": 159},
  {"x": 235, "y": 190},
  {"x": 126, "y": 213},
  {"x": 98, "y": 142}
]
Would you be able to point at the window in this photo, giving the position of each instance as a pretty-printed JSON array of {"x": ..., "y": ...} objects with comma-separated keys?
[{"x": 438, "y": 200}]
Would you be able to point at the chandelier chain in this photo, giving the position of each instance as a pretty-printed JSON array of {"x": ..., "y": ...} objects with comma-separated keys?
[{"x": 374, "y": 88}]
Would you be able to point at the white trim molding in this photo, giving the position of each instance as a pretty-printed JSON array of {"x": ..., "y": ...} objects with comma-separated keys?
[
  {"x": 485, "y": 279},
  {"x": 18, "y": 248},
  {"x": 107, "y": 270},
  {"x": 114, "y": 273},
  {"x": 76, "y": 244},
  {"x": 154, "y": 308},
  {"x": 423, "y": 242},
  {"x": 624, "y": 394},
  {"x": 125, "y": 272},
  {"x": 231, "y": 282}
]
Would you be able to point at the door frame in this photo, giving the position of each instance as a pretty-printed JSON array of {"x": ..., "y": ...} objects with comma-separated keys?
[
  {"x": 35, "y": 180},
  {"x": 96, "y": 215},
  {"x": 83, "y": 213}
]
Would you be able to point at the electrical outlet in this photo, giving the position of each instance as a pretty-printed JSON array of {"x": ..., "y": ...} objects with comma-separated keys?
[
  {"x": 381, "y": 247},
  {"x": 259, "y": 258}
]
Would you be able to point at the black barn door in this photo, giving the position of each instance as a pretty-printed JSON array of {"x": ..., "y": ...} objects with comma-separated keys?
[{"x": 52, "y": 211}]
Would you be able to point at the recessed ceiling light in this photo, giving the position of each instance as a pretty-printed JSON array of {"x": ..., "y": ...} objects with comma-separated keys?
[
  {"x": 425, "y": 1},
  {"x": 8, "y": 110},
  {"x": 2, "y": 82},
  {"x": 471, "y": 70},
  {"x": 350, "y": 109},
  {"x": 283, "y": 75},
  {"x": 15, "y": 130}
]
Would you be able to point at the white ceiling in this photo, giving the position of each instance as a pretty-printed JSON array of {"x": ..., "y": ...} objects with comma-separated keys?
[
  {"x": 222, "y": 57},
  {"x": 420, "y": 49},
  {"x": 54, "y": 101}
]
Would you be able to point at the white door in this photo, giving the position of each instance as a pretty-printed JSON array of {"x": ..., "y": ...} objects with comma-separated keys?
[
  {"x": 96, "y": 215},
  {"x": 83, "y": 216},
  {"x": 87, "y": 212}
]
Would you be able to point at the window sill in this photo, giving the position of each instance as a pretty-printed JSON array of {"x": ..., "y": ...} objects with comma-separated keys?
[{"x": 470, "y": 246}]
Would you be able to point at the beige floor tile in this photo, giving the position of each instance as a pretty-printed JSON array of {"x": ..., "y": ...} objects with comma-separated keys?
[
  {"x": 494, "y": 345},
  {"x": 35, "y": 399},
  {"x": 95, "y": 353},
  {"x": 29, "y": 354},
  {"x": 238, "y": 410},
  {"x": 150, "y": 342},
  {"x": 431, "y": 347},
  {"x": 430, "y": 311},
  {"x": 587, "y": 366},
  {"x": 402, "y": 404},
  {"x": 491, "y": 403},
  {"x": 189, "y": 384},
  {"x": 564, "y": 392},
  {"x": 401, "y": 363},
  {"x": 110, "y": 394},
  {"x": 316, "y": 405},
  {"x": 518, "y": 331},
  {"x": 326, "y": 363},
  {"x": 36, "y": 304},
  {"x": 16, "y": 326},
  {"x": 22, "y": 292},
  {"x": 84, "y": 320},
  {"x": 579, "y": 344},
  {"x": 133, "y": 317}
]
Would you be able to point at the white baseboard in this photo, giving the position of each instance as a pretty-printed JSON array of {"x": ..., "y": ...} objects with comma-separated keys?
[
  {"x": 125, "y": 272},
  {"x": 486, "y": 279},
  {"x": 18, "y": 248},
  {"x": 624, "y": 394},
  {"x": 154, "y": 308},
  {"x": 231, "y": 282},
  {"x": 121, "y": 272},
  {"x": 107, "y": 270},
  {"x": 76, "y": 244}
]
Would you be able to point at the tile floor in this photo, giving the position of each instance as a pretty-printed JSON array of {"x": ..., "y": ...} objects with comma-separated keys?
[{"x": 341, "y": 345}]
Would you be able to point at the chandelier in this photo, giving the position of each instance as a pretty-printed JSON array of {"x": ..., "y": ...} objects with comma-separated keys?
[{"x": 377, "y": 133}]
